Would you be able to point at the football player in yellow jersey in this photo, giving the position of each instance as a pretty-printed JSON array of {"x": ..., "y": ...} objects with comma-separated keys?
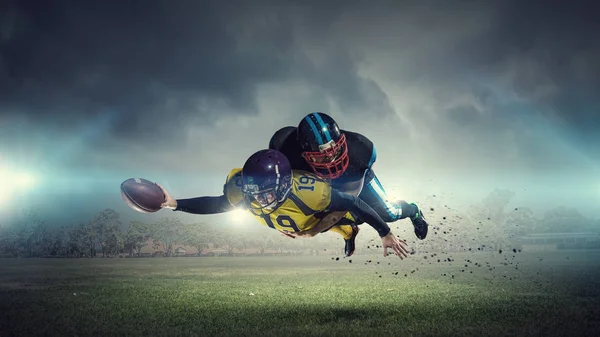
[
  {"x": 301, "y": 211},
  {"x": 289, "y": 201},
  {"x": 288, "y": 219}
]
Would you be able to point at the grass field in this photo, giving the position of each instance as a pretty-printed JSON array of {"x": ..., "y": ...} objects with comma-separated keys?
[{"x": 474, "y": 294}]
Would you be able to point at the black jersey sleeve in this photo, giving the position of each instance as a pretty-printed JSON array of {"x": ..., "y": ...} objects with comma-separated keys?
[
  {"x": 362, "y": 156},
  {"x": 347, "y": 202},
  {"x": 204, "y": 205}
]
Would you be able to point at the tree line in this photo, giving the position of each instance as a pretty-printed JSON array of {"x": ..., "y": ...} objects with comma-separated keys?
[
  {"x": 487, "y": 224},
  {"x": 106, "y": 236}
]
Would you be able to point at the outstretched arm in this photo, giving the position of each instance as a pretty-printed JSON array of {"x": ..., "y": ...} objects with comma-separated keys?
[
  {"x": 204, "y": 205},
  {"x": 199, "y": 205}
]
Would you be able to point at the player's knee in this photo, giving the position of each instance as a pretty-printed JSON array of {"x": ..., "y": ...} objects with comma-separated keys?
[
  {"x": 394, "y": 211},
  {"x": 390, "y": 215}
]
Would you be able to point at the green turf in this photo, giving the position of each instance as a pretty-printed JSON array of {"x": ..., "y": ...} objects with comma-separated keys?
[{"x": 528, "y": 294}]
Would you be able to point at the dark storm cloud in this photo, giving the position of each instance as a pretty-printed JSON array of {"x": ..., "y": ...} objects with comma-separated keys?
[
  {"x": 147, "y": 64},
  {"x": 313, "y": 52},
  {"x": 548, "y": 52},
  {"x": 499, "y": 81},
  {"x": 356, "y": 96},
  {"x": 155, "y": 68}
]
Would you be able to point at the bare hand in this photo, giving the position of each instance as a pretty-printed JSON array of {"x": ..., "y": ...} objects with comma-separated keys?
[
  {"x": 169, "y": 202},
  {"x": 302, "y": 234},
  {"x": 398, "y": 246},
  {"x": 288, "y": 234}
]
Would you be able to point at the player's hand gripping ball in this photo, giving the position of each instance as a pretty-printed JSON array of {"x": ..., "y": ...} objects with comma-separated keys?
[{"x": 142, "y": 195}]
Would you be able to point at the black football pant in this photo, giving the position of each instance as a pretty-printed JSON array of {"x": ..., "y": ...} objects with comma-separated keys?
[{"x": 389, "y": 210}]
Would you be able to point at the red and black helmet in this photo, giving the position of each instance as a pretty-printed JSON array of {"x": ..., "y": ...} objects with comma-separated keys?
[{"x": 324, "y": 145}]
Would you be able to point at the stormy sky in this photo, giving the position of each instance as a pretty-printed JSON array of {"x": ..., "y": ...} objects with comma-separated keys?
[{"x": 459, "y": 97}]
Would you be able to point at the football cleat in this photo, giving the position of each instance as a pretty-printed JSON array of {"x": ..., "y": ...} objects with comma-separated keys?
[
  {"x": 350, "y": 243},
  {"x": 420, "y": 224}
]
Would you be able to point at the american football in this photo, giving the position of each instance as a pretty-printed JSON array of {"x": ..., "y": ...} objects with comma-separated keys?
[{"x": 142, "y": 195}]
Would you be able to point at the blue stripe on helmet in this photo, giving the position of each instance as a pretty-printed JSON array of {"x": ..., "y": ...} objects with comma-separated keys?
[
  {"x": 323, "y": 126},
  {"x": 314, "y": 129}
]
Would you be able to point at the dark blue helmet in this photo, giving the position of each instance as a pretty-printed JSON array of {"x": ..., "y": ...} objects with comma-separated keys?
[
  {"x": 323, "y": 145},
  {"x": 266, "y": 181}
]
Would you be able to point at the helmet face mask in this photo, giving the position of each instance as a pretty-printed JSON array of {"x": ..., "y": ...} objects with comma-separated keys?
[
  {"x": 332, "y": 159},
  {"x": 267, "y": 200},
  {"x": 324, "y": 145}
]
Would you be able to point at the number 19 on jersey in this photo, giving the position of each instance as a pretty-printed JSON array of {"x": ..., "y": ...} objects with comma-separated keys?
[{"x": 306, "y": 183}]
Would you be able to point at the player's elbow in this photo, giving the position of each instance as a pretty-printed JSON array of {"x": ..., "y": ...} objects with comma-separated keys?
[
  {"x": 355, "y": 192},
  {"x": 353, "y": 188}
]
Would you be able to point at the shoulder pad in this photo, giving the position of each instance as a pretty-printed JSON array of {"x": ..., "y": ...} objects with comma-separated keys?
[{"x": 233, "y": 187}]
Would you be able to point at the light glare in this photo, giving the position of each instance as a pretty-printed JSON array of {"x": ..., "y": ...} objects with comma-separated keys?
[
  {"x": 240, "y": 215},
  {"x": 13, "y": 182}
]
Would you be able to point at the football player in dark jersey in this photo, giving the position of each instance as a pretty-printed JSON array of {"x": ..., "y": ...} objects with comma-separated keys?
[{"x": 346, "y": 159}]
